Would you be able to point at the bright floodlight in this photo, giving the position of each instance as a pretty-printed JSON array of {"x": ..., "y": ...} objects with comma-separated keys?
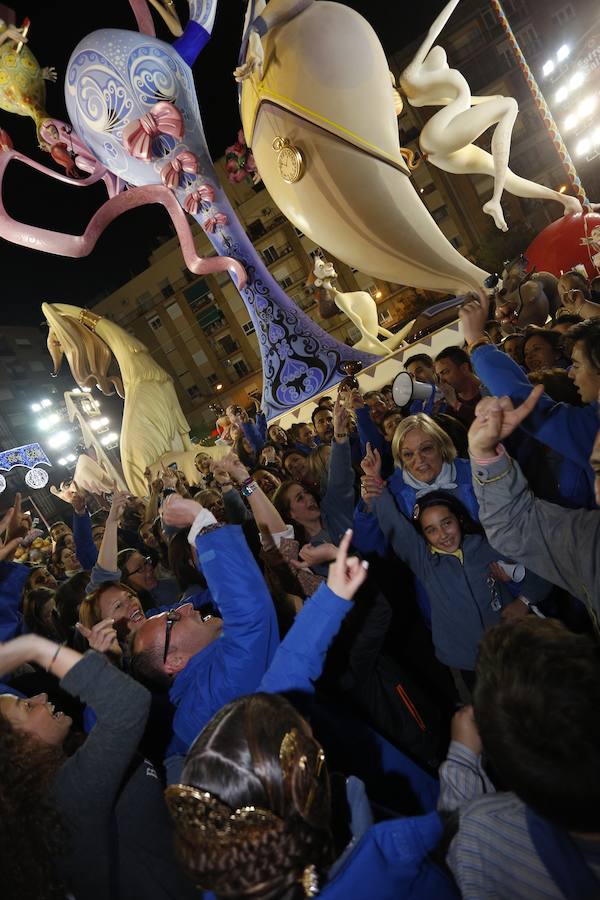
[
  {"x": 577, "y": 80},
  {"x": 561, "y": 94},
  {"x": 563, "y": 52},
  {"x": 58, "y": 440},
  {"x": 86, "y": 390},
  {"x": 583, "y": 147},
  {"x": 71, "y": 457},
  {"x": 62, "y": 461},
  {"x": 570, "y": 122},
  {"x": 548, "y": 67},
  {"x": 596, "y": 136},
  {"x": 36, "y": 407},
  {"x": 587, "y": 106},
  {"x": 46, "y": 403},
  {"x": 111, "y": 438}
]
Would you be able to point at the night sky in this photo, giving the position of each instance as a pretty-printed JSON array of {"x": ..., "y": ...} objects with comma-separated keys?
[{"x": 29, "y": 277}]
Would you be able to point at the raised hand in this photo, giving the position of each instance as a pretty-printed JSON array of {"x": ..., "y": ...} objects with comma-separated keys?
[
  {"x": 117, "y": 506},
  {"x": 14, "y": 527},
  {"x": 495, "y": 419},
  {"x": 473, "y": 314},
  {"x": 231, "y": 464},
  {"x": 101, "y": 637},
  {"x": 346, "y": 574},
  {"x": 371, "y": 486},
  {"x": 179, "y": 512},
  {"x": 340, "y": 418},
  {"x": 371, "y": 464},
  {"x": 7, "y": 550},
  {"x": 464, "y": 730}
]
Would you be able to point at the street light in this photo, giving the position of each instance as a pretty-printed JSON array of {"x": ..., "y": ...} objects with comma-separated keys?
[
  {"x": 49, "y": 421},
  {"x": 570, "y": 122},
  {"x": 46, "y": 403},
  {"x": 587, "y": 106},
  {"x": 561, "y": 94},
  {"x": 548, "y": 68},
  {"x": 577, "y": 80},
  {"x": 563, "y": 52},
  {"x": 36, "y": 407},
  {"x": 59, "y": 439}
]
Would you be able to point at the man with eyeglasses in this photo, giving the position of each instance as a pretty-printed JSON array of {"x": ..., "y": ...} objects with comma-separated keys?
[{"x": 207, "y": 661}]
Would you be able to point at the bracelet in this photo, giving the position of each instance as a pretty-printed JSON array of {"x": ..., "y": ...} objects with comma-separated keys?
[
  {"x": 341, "y": 434},
  {"x": 247, "y": 481},
  {"x": 53, "y": 660},
  {"x": 478, "y": 343},
  {"x": 248, "y": 488}
]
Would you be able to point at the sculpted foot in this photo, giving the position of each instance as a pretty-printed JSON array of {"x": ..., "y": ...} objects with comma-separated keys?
[{"x": 493, "y": 209}]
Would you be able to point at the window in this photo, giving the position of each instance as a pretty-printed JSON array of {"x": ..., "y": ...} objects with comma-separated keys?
[
  {"x": 384, "y": 316},
  {"x": 144, "y": 299},
  {"x": 174, "y": 310},
  {"x": 440, "y": 214},
  {"x": 255, "y": 229},
  {"x": 563, "y": 15},
  {"x": 285, "y": 282},
  {"x": 199, "y": 357},
  {"x": 155, "y": 323},
  {"x": 194, "y": 392},
  {"x": 212, "y": 379},
  {"x": 166, "y": 288},
  {"x": 228, "y": 344},
  {"x": 528, "y": 39},
  {"x": 241, "y": 368},
  {"x": 248, "y": 328},
  {"x": 22, "y": 342},
  {"x": 269, "y": 254}
]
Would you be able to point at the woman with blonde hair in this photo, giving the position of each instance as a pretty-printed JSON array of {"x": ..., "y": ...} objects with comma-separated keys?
[{"x": 425, "y": 460}]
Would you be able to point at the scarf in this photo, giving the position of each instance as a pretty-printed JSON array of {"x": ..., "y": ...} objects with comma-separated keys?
[{"x": 445, "y": 481}]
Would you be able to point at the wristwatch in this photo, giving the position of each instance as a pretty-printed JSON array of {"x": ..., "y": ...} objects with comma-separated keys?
[{"x": 247, "y": 489}]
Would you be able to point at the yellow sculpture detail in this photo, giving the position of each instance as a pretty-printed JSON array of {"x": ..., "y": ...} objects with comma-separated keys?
[
  {"x": 153, "y": 421},
  {"x": 22, "y": 80}
]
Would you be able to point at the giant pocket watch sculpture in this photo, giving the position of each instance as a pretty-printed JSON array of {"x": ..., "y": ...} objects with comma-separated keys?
[{"x": 289, "y": 160}]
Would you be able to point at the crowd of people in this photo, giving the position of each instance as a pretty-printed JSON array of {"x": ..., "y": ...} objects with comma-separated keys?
[{"x": 356, "y": 658}]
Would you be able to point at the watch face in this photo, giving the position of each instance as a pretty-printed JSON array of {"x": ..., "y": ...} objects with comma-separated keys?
[{"x": 290, "y": 164}]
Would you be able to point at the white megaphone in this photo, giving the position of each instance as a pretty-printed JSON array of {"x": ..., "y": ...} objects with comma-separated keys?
[{"x": 404, "y": 390}]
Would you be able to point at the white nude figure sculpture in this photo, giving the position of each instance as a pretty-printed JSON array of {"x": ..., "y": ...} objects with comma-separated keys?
[
  {"x": 446, "y": 139},
  {"x": 359, "y": 306}
]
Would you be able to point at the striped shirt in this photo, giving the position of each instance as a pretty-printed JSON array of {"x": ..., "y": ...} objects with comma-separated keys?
[{"x": 492, "y": 855}]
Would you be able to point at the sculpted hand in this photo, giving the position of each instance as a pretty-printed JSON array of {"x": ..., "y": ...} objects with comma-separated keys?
[{"x": 495, "y": 419}]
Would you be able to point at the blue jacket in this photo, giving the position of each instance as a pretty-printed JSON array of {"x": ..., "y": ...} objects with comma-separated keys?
[
  {"x": 461, "y": 598},
  {"x": 235, "y": 662},
  {"x": 12, "y": 581},
  {"x": 569, "y": 430},
  {"x": 87, "y": 552},
  {"x": 368, "y": 536},
  {"x": 256, "y": 432}
]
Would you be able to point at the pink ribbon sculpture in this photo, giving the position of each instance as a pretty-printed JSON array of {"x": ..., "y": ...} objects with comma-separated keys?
[{"x": 163, "y": 118}]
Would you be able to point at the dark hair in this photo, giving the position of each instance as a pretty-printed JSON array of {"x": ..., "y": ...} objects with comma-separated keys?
[
  {"x": 281, "y": 502},
  {"x": 275, "y": 425},
  {"x": 147, "y": 666},
  {"x": 32, "y": 833},
  {"x": 442, "y": 498},
  {"x": 237, "y": 759},
  {"x": 568, "y": 318},
  {"x": 295, "y": 428},
  {"x": 456, "y": 431},
  {"x": 59, "y": 522},
  {"x": 392, "y": 412},
  {"x": 163, "y": 547},
  {"x": 456, "y": 355},
  {"x": 99, "y": 517},
  {"x": 536, "y": 704},
  {"x": 33, "y": 605},
  {"x": 292, "y": 451},
  {"x": 61, "y": 545},
  {"x": 513, "y": 337},
  {"x": 588, "y": 334},
  {"x": 69, "y": 597},
  {"x": 418, "y": 358},
  {"x": 553, "y": 338},
  {"x": 377, "y": 395},
  {"x": 181, "y": 561},
  {"x": 122, "y": 557},
  {"x": 319, "y": 409},
  {"x": 557, "y": 385},
  {"x": 247, "y": 458}
]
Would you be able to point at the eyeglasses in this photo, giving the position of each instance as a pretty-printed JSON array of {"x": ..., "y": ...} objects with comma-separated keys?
[
  {"x": 147, "y": 561},
  {"x": 172, "y": 617}
]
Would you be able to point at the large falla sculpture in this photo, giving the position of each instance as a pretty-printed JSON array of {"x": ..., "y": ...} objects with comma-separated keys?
[{"x": 320, "y": 113}]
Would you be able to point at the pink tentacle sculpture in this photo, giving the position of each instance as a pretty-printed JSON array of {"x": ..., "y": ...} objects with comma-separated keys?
[
  {"x": 143, "y": 17},
  {"x": 81, "y": 245}
]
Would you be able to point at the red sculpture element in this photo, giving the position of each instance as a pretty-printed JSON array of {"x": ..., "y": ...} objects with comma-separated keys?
[
  {"x": 559, "y": 246},
  {"x": 60, "y": 154},
  {"x": 5, "y": 140},
  {"x": 240, "y": 163}
]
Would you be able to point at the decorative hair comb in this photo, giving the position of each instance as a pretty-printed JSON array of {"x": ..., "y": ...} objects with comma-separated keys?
[{"x": 193, "y": 809}]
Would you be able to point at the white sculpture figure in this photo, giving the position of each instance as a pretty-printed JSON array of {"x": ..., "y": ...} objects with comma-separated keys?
[
  {"x": 446, "y": 139},
  {"x": 359, "y": 306},
  {"x": 320, "y": 114}
]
